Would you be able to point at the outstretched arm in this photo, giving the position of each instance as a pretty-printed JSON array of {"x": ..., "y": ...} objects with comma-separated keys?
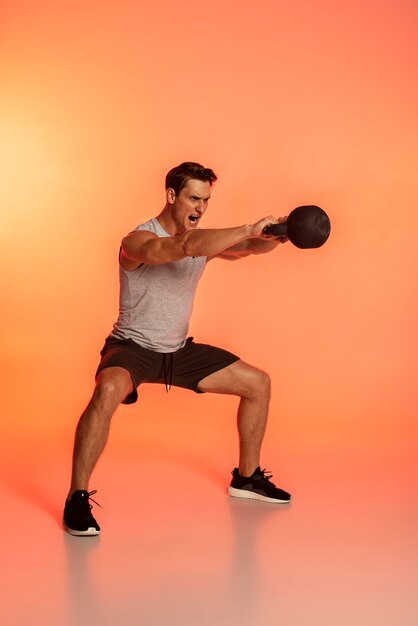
[
  {"x": 144, "y": 247},
  {"x": 252, "y": 246}
]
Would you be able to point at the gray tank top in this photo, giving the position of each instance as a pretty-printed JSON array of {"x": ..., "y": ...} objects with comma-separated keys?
[{"x": 156, "y": 301}]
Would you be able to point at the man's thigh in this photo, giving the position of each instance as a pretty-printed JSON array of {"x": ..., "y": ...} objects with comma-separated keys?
[{"x": 239, "y": 378}]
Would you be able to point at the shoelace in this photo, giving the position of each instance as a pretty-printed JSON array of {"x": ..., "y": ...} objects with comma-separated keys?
[
  {"x": 264, "y": 475},
  {"x": 91, "y": 493},
  {"x": 168, "y": 371}
]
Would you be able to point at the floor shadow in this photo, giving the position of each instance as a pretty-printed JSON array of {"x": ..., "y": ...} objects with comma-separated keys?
[{"x": 34, "y": 494}]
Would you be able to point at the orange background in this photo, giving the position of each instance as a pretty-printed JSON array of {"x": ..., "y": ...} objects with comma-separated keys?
[{"x": 290, "y": 103}]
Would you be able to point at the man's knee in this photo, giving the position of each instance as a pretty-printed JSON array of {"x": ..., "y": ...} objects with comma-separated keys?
[
  {"x": 113, "y": 384},
  {"x": 262, "y": 383},
  {"x": 257, "y": 384}
]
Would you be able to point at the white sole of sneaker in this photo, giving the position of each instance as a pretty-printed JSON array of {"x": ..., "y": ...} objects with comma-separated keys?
[
  {"x": 251, "y": 495},
  {"x": 90, "y": 532}
]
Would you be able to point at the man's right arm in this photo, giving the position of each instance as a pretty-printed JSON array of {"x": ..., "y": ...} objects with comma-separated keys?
[{"x": 142, "y": 246}]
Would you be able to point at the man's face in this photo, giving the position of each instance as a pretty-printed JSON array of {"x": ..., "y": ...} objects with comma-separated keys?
[{"x": 191, "y": 203}]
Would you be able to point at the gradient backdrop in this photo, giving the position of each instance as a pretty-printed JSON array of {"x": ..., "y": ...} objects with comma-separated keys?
[{"x": 290, "y": 103}]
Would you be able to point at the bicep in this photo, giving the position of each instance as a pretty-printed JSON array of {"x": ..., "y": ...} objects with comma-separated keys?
[{"x": 145, "y": 247}]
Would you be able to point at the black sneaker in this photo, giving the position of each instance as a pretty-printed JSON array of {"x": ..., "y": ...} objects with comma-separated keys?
[
  {"x": 256, "y": 487},
  {"x": 78, "y": 519}
]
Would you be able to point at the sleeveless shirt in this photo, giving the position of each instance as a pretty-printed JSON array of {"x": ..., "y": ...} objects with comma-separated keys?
[{"x": 156, "y": 301}]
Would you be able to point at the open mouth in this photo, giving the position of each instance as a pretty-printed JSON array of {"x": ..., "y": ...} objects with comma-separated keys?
[{"x": 193, "y": 218}]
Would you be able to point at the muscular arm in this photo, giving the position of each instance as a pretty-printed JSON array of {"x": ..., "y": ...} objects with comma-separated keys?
[
  {"x": 252, "y": 246},
  {"x": 144, "y": 247},
  {"x": 248, "y": 247}
]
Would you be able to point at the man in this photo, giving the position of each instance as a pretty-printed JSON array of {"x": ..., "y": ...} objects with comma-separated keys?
[{"x": 161, "y": 262}]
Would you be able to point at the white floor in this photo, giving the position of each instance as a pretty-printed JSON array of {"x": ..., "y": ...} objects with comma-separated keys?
[{"x": 175, "y": 550}]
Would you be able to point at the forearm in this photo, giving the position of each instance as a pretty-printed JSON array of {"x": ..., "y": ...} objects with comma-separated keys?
[
  {"x": 258, "y": 246},
  {"x": 209, "y": 242}
]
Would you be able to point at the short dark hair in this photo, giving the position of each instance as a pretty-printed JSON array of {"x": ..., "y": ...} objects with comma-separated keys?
[{"x": 178, "y": 176}]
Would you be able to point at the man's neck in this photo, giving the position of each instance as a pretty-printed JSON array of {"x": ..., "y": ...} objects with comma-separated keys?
[{"x": 165, "y": 220}]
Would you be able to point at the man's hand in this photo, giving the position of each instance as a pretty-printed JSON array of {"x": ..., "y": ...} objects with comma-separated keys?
[{"x": 258, "y": 228}]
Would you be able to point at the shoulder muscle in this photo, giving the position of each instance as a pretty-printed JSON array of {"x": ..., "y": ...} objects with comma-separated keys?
[{"x": 142, "y": 246}]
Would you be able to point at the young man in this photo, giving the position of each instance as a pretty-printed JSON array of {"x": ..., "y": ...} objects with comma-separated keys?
[{"x": 161, "y": 262}]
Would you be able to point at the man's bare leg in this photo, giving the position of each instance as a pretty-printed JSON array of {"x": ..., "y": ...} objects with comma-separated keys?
[
  {"x": 112, "y": 386},
  {"x": 253, "y": 386}
]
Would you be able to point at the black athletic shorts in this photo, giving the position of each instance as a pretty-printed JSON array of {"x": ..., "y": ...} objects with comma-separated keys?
[{"x": 184, "y": 368}]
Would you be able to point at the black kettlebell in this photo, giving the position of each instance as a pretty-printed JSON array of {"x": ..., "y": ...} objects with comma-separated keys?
[{"x": 307, "y": 227}]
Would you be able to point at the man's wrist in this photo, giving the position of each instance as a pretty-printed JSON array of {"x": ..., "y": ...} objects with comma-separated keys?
[{"x": 249, "y": 231}]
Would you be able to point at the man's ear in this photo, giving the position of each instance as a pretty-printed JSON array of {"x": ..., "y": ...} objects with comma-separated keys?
[{"x": 170, "y": 195}]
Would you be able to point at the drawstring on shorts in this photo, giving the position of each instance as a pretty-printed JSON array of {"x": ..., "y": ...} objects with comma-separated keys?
[{"x": 168, "y": 370}]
